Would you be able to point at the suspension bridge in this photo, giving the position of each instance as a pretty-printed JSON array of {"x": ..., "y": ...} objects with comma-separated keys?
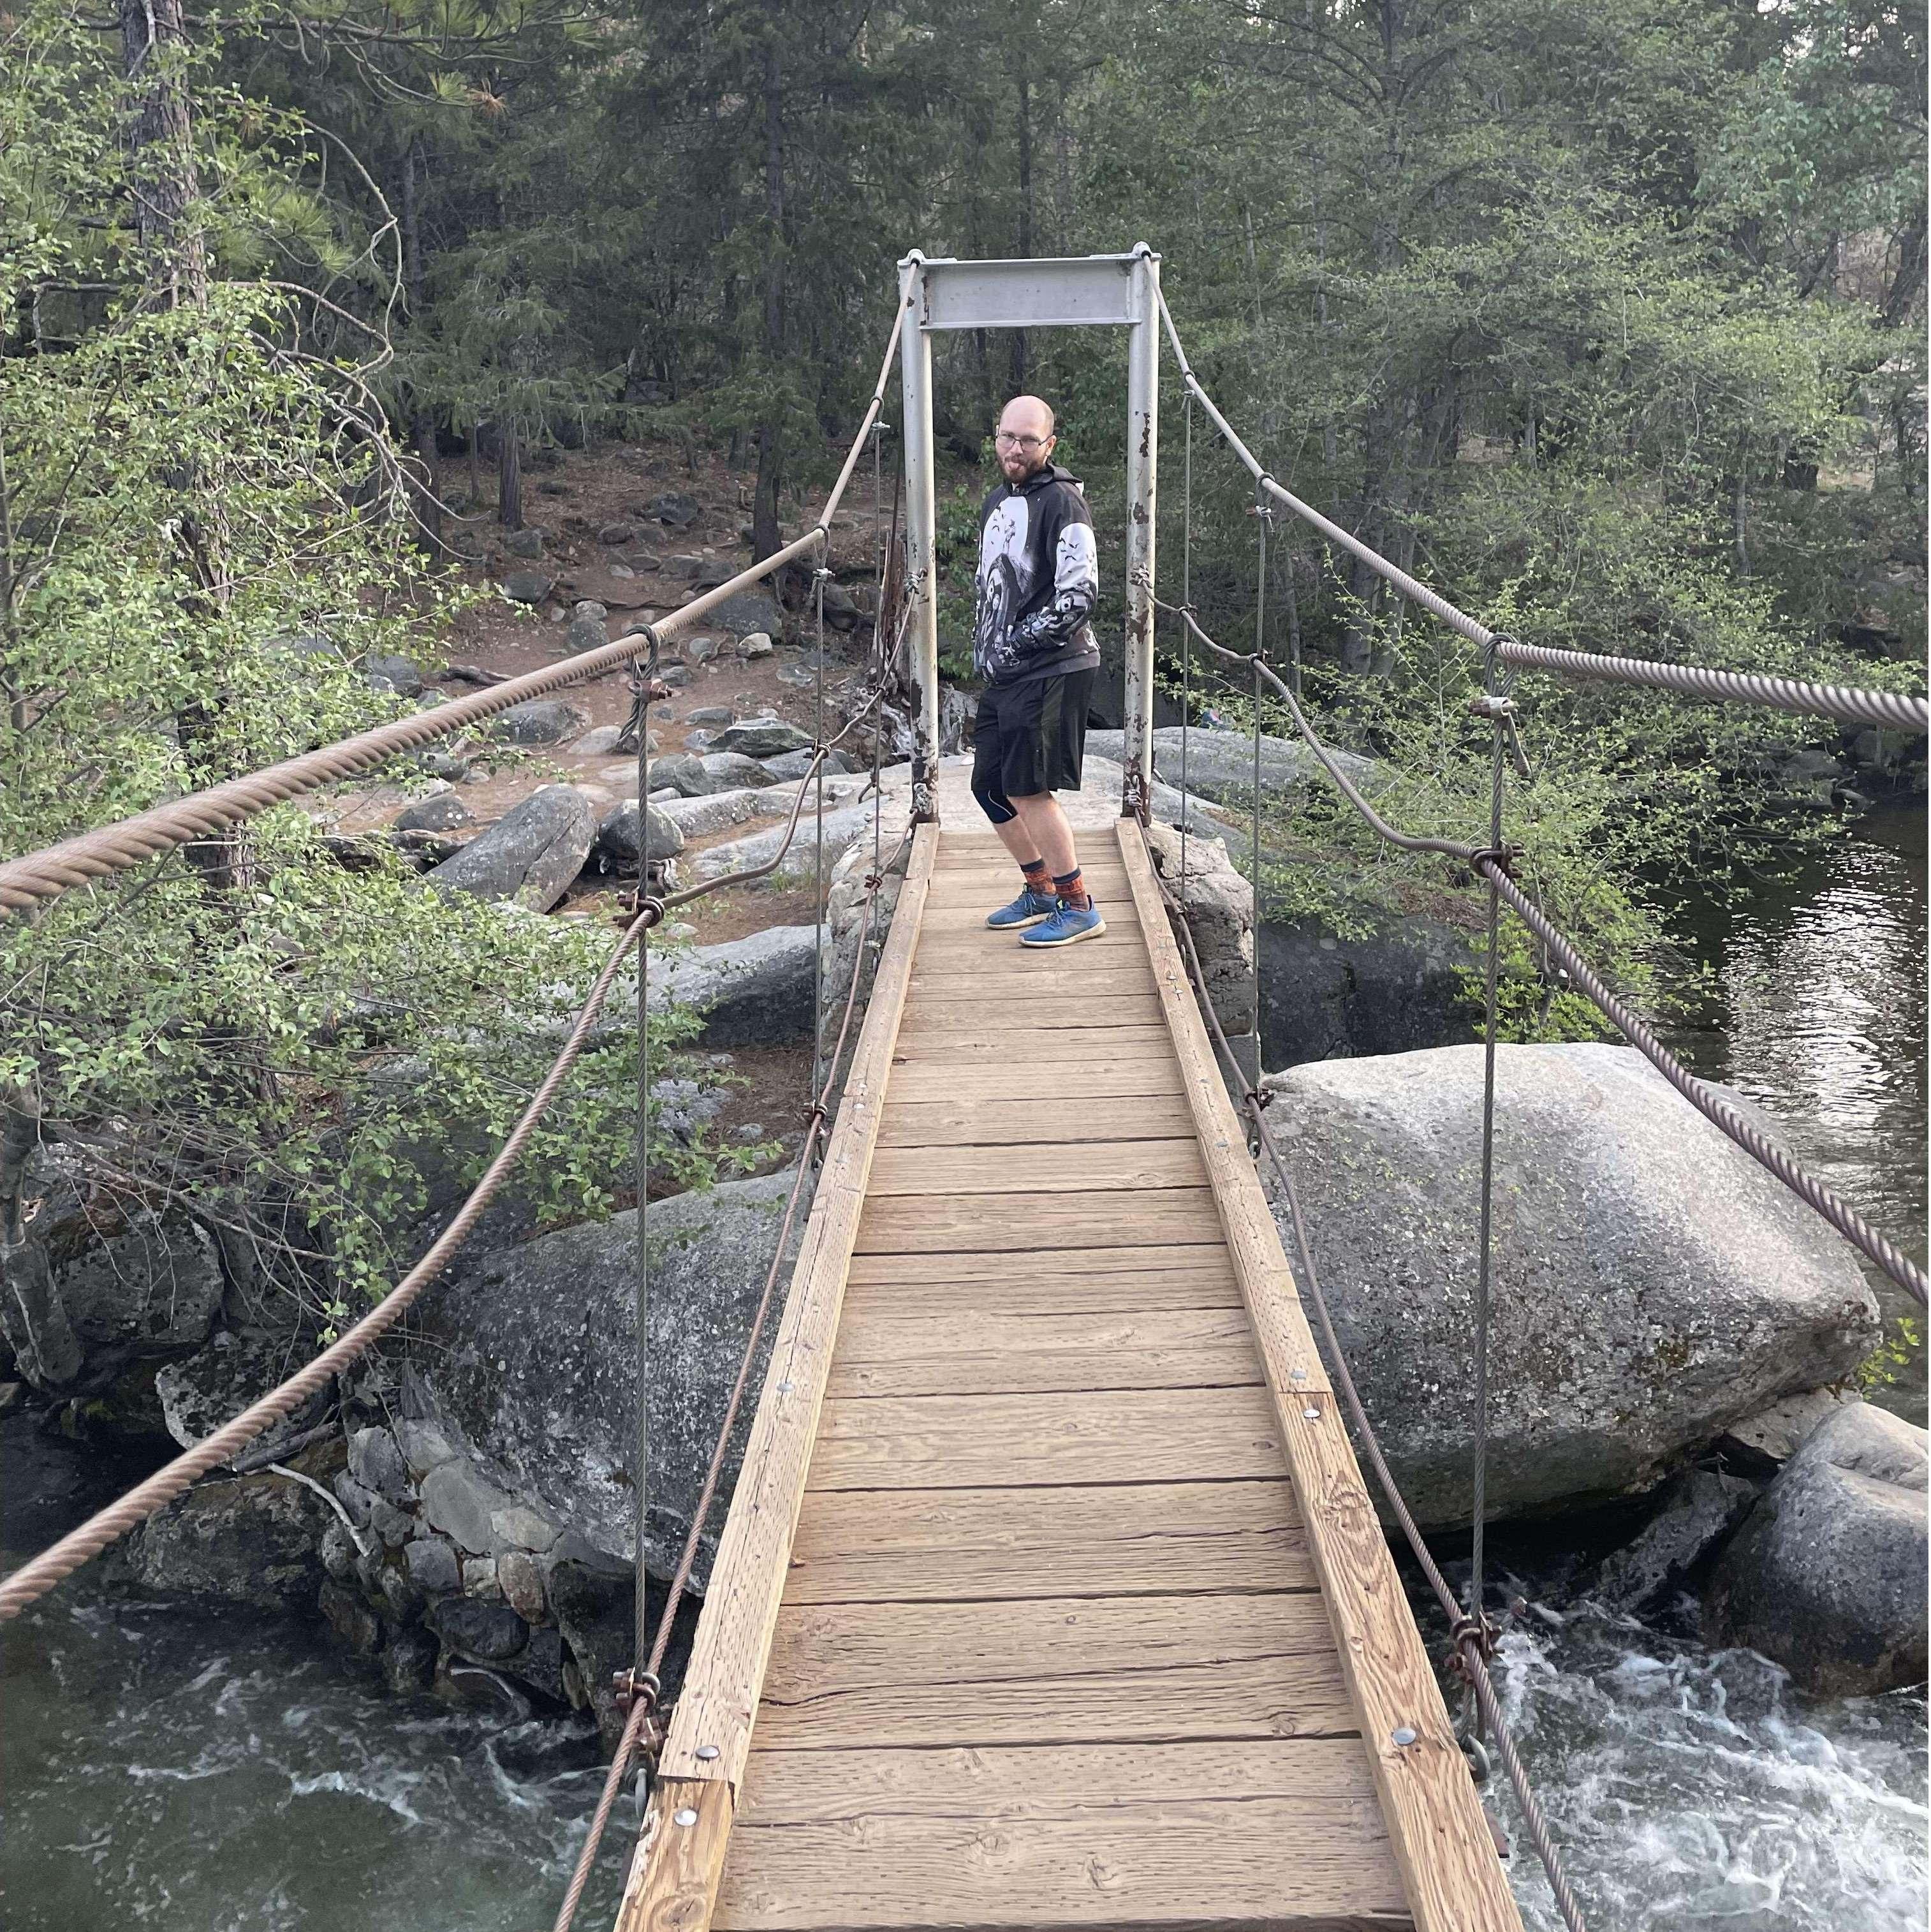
[{"x": 1051, "y": 1593}]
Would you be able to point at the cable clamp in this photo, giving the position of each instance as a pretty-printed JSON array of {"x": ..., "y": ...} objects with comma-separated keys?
[
  {"x": 1498, "y": 710},
  {"x": 633, "y": 905},
  {"x": 630, "y": 1686},
  {"x": 1502, "y": 857},
  {"x": 1470, "y": 1635}
]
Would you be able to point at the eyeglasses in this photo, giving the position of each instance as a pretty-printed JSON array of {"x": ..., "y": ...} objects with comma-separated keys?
[{"x": 1007, "y": 439}]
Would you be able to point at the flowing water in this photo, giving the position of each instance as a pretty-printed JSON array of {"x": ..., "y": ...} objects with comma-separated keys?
[{"x": 195, "y": 1773}]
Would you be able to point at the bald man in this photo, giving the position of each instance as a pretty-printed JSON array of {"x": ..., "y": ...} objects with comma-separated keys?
[{"x": 1032, "y": 644}]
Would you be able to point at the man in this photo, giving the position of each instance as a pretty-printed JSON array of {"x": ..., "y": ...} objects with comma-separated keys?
[{"x": 1038, "y": 579}]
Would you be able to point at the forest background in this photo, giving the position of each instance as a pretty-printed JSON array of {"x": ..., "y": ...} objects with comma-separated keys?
[{"x": 1607, "y": 319}]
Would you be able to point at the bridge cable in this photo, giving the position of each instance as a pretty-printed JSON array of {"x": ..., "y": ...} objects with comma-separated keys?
[
  {"x": 1495, "y": 866},
  {"x": 46, "y": 875},
  {"x": 643, "y": 1687},
  {"x": 1473, "y": 1639},
  {"x": 1897, "y": 710}
]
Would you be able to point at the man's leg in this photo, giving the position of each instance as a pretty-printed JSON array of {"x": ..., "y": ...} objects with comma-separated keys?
[
  {"x": 1035, "y": 902},
  {"x": 1046, "y": 829}
]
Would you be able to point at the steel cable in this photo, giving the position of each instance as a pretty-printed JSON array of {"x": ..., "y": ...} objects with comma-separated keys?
[
  {"x": 1806, "y": 1186},
  {"x": 1898, "y": 710},
  {"x": 46, "y": 874},
  {"x": 1470, "y": 1635}
]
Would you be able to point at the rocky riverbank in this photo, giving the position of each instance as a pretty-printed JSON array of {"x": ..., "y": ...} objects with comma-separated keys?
[{"x": 1675, "y": 1336}]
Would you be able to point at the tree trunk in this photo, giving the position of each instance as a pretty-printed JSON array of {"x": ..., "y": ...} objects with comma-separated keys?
[
  {"x": 764, "y": 532},
  {"x": 162, "y": 178},
  {"x": 422, "y": 424},
  {"x": 509, "y": 474}
]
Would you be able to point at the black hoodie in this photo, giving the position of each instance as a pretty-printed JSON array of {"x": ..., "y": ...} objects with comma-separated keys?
[{"x": 1038, "y": 579}]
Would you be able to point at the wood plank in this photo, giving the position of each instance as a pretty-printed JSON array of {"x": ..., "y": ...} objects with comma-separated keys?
[
  {"x": 1064, "y": 1669},
  {"x": 992, "y": 1041},
  {"x": 1080, "y": 1167},
  {"x": 1450, "y": 1873},
  {"x": 1260, "y": 1833},
  {"x": 1045, "y": 1223},
  {"x": 949, "y": 1354},
  {"x": 956, "y": 885},
  {"x": 679, "y": 1858},
  {"x": 1132, "y": 1540},
  {"x": 720, "y": 1683},
  {"x": 967, "y": 952},
  {"x": 1097, "y": 1078},
  {"x": 998, "y": 1006},
  {"x": 1070, "y": 1282},
  {"x": 1059, "y": 975},
  {"x": 1053, "y": 1119},
  {"x": 1129, "y": 1435}
]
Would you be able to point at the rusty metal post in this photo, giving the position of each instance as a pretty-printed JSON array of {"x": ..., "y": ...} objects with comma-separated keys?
[
  {"x": 915, "y": 350},
  {"x": 1143, "y": 444}
]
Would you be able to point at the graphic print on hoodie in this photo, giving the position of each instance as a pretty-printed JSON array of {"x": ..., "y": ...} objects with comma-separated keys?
[{"x": 1039, "y": 580}]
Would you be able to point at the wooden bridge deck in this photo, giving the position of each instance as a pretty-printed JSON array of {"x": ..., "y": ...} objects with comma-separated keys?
[{"x": 1050, "y": 1595}]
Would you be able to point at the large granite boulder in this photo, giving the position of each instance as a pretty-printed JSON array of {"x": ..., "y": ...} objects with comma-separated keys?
[
  {"x": 527, "y": 1356},
  {"x": 1653, "y": 1285},
  {"x": 531, "y": 854},
  {"x": 1218, "y": 905},
  {"x": 842, "y": 828},
  {"x": 1220, "y": 764},
  {"x": 616, "y": 836},
  {"x": 752, "y": 992},
  {"x": 1828, "y": 1575}
]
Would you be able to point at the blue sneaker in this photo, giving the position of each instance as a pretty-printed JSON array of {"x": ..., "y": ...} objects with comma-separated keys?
[
  {"x": 1067, "y": 925},
  {"x": 1028, "y": 909}
]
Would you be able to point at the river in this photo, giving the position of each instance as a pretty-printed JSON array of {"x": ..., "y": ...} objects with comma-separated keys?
[{"x": 226, "y": 1772}]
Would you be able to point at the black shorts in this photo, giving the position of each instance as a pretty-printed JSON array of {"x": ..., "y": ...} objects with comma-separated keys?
[{"x": 1028, "y": 738}]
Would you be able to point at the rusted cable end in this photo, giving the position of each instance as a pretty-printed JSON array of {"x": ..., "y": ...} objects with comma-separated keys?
[
  {"x": 1502, "y": 857},
  {"x": 1473, "y": 1637}
]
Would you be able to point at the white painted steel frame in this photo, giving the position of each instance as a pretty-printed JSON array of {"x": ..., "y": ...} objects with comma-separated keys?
[{"x": 1114, "y": 291}]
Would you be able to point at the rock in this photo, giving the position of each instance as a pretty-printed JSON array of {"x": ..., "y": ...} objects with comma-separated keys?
[
  {"x": 338, "y": 1551},
  {"x": 621, "y": 571},
  {"x": 1654, "y": 1286},
  {"x": 1700, "y": 1509},
  {"x": 522, "y": 1529},
  {"x": 682, "y": 568},
  {"x": 441, "y": 811},
  {"x": 353, "y": 1497},
  {"x": 841, "y": 613},
  {"x": 712, "y": 714},
  {"x": 679, "y": 511},
  {"x": 762, "y": 738},
  {"x": 255, "y": 1540},
  {"x": 756, "y": 644},
  {"x": 684, "y": 773},
  {"x": 527, "y": 587},
  {"x": 593, "y": 1599},
  {"x": 424, "y": 1445},
  {"x": 540, "y": 1664},
  {"x": 351, "y": 1618},
  {"x": 697, "y": 816},
  {"x": 585, "y": 634},
  {"x": 376, "y": 1462},
  {"x": 409, "y": 1662},
  {"x": 461, "y": 1503},
  {"x": 450, "y": 767},
  {"x": 842, "y": 827},
  {"x": 712, "y": 572},
  {"x": 616, "y": 836},
  {"x": 479, "y": 1579},
  {"x": 541, "y": 720},
  {"x": 602, "y": 742},
  {"x": 525, "y": 543},
  {"x": 747, "y": 611},
  {"x": 530, "y": 855},
  {"x": 733, "y": 771},
  {"x": 753, "y": 992},
  {"x": 1827, "y": 1576},
  {"x": 432, "y": 1568},
  {"x": 1219, "y": 906},
  {"x": 204, "y": 1391},
  {"x": 1220, "y": 764},
  {"x": 393, "y": 673},
  {"x": 1761, "y": 1445},
  {"x": 798, "y": 764},
  {"x": 528, "y": 1349},
  {"x": 483, "y": 1632},
  {"x": 676, "y": 676},
  {"x": 393, "y": 1525},
  {"x": 522, "y": 1584},
  {"x": 616, "y": 533}
]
